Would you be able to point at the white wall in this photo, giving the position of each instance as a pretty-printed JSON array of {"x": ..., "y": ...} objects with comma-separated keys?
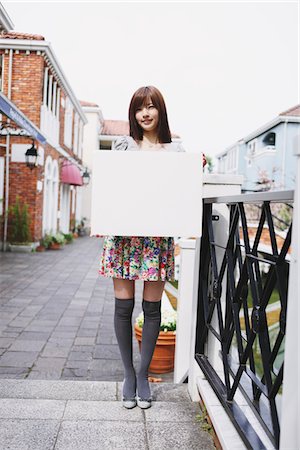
[{"x": 90, "y": 143}]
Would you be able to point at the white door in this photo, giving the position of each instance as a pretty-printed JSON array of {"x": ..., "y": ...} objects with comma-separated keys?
[{"x": 65, "y": 208}]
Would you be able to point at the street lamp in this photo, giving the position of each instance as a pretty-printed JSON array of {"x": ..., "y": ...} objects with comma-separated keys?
[
  {"x": 31, "y": 156},
  {"x": 86, "y": 177}
]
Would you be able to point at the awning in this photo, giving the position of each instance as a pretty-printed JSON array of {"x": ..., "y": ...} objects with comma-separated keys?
[{"x": 70, "y": 174}]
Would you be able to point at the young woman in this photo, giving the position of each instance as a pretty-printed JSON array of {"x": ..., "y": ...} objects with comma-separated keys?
[{"x": 151, "y": 259}]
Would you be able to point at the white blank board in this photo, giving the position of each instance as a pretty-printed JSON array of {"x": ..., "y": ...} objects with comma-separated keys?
[{"x": 146, "y": 193}]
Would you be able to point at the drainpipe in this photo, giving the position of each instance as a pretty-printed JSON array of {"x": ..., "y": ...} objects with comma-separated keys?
[{"x": 7, "y": 156}]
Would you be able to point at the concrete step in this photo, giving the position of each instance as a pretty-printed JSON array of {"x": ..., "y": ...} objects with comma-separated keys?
[{"x": 63, "y": 415}]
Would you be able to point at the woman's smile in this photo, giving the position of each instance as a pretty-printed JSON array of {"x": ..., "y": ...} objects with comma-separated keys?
[{"x": 147, "y": 117}]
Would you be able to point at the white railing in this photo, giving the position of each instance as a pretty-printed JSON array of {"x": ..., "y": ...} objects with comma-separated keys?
[{"x": 217, "y": 186}]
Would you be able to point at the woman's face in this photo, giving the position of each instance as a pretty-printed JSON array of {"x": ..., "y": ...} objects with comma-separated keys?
[{"x": 147, "y": 116}]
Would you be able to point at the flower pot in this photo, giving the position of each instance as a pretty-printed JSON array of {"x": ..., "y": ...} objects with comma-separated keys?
[
  {"x": 40, "y": 248},
  {"x": 54, "y": 246},
  {"x": 21, "y": 248},
  {"x": 164, "y": 352}
]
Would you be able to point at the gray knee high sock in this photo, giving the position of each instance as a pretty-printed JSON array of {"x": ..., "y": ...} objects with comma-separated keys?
[
  {"x": 152, "y": 319},
  {"x": 123, "y": 330}
]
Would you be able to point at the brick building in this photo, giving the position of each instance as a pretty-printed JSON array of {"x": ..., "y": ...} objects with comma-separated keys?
[{"x": 32, "y": 81}]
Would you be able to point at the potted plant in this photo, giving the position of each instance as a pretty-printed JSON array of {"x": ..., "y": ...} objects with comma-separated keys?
[
  {"x": 81, "y": 230},
  {"x": 41, "y": 247},
  {"x": 19, "y": 234},
  {"x": 57, "y": 241},
  {"x": 44, "y": 243},
  {"x": 164, "y": 352},
  {"x": 68, "y": 237}
]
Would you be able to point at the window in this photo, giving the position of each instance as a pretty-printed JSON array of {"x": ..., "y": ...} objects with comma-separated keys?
[
  {"x": 76, "y": 131},
  {"x": 252, "y": 147},
  {"x": 222, "y": 162},
  {"x": 80, "y": 137},
  {"x": 68, "y": 123},
  {"x": 270, "y": 139}
]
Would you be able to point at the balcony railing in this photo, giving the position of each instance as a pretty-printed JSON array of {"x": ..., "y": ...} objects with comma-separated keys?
[{"x": 240, "y": 278}]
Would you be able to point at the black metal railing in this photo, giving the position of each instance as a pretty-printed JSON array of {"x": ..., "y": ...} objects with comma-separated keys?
[{"x": 251, "y": 339}]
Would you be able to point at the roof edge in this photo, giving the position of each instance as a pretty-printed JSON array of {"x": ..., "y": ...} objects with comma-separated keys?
[
  {"x": 45, "y": 46},
  {"x": 5, "y": 19}
]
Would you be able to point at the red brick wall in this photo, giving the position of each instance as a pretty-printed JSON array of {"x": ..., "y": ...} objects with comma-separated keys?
[{"x": 27, "y": 95}]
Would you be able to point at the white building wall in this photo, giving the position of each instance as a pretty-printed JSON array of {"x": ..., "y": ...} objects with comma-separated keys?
[{"x": 90, "y": 144}]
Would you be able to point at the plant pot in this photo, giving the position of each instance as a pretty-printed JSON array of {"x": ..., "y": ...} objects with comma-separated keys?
[
  {"x": 164, "y": 352},
  {"x": 21, "y": 248},
  {"x": 54, "y": 246},
  {"x": 75, "y": 235},
  {"x": 40, "y": 248}
]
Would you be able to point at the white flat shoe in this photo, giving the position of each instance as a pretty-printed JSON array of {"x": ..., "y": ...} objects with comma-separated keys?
[
  {"x": 129, "y": 403},
  {"x": 144, "y": 404}
]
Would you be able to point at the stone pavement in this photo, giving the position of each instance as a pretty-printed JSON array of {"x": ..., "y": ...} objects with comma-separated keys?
[
  {"x": 56, "y": 316},
  {"x": 56, "y": 323},
  {"x": 86, "y": 415}
]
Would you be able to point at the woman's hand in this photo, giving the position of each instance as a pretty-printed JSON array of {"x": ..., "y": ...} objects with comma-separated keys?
[{"x": 204, "y": 162}]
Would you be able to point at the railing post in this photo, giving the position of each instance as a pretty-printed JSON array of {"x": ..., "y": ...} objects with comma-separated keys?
[
  {"x": 290, "y": 416},
  {"x": 184, "y": 309}
]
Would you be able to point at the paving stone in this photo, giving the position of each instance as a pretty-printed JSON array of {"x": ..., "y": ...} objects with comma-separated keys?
[
  {"x": 47, "y": 363},
  {"x": 106, "y": 338},
  {"x": 16, "y": 408},
  {"x": 33, "y": 335},
  {"x": 181, "y": 436},
  {"x": 83, "y": 390},
  {"x": 172, "y": 412},
  {"x": 80, "y": 356},
  {"x": 84, "y": 341},
  {"x": 45, "y": 374},
  {"x": 100, "y": 410},
  {"x": 6, "y": 342},
  {"x": 107, "y": 352},
  {"x": 76, "y": 364},
  {"x": 40, "y": 328},
  {"x": 63, "y": 334},
  {"x": 18, "y": 359},
  {"x": 169, "y": 392},
  {"x": 111, "y": 369},
  {"x": 74, "y": 373},
  {"x": 87, "y": 332},
  {"x": 20, "y": 434},
  {"x": 83, "y": 348},
  {"x": 106, "y": 435},
  {"x": 27, "y": 346},
  {"x": 14, "y": 371}
]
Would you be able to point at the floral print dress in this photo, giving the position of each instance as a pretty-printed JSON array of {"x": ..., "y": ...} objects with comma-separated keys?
[{"x": 136, "y": 257}]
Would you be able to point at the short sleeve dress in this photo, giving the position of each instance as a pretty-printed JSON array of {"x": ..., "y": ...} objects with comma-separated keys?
[{"x": 136, "y": 257}]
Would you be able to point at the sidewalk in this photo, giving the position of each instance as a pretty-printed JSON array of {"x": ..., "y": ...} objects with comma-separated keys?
[
  {"x": 86, "y": 415},
  {"x": 60, "y": 368},
  {"x": 56, "y": 316}
]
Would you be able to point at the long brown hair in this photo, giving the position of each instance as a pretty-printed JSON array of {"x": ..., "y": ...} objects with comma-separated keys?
[{"x": 141, "y": 97}]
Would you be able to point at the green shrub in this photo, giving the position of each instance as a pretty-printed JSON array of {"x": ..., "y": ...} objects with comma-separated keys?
[
  {"x": 19, "y": 223},
  {"x": 46, "y": 240},
  {"x": 68, "y": 237}
]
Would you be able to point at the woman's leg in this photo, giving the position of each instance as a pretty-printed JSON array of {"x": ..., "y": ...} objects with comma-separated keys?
[
  {"x": 124, "y": 304},
  {"x": 152, "y": 317}
]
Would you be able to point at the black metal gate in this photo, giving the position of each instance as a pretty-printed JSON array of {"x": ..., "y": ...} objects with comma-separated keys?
[{"x": 251, "y": 350}]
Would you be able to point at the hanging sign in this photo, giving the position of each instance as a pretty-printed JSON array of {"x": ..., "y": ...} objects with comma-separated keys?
[{"x": 12, "y": 112}]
